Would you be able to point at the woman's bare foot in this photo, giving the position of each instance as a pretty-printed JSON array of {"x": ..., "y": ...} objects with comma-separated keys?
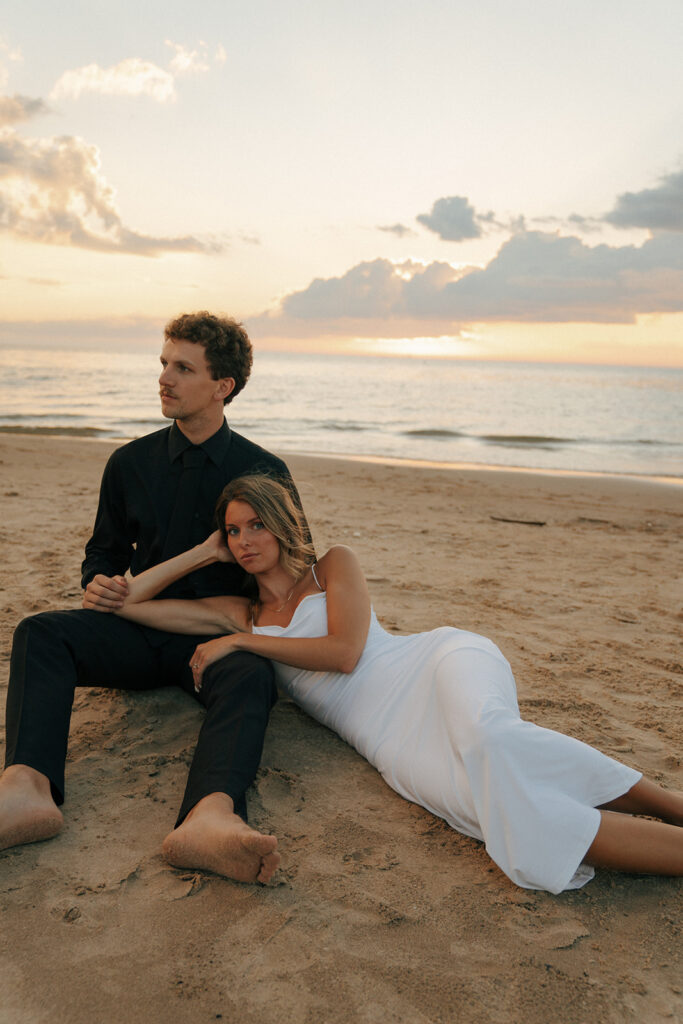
[
  {"x": 27, "y": 811},
  {"x": 212, "y": 837}
]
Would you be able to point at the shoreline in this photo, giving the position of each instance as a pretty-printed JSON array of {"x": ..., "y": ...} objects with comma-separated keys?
[{"x": 87, "y": 435}]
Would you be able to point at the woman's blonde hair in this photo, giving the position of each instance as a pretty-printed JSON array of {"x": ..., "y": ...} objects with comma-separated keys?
[{"x": 275, "y": 507}]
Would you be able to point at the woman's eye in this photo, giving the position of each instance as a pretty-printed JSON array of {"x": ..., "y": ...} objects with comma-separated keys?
[
  {"x": 232, "y": 531},
  {"x": 258, "y": 525}
]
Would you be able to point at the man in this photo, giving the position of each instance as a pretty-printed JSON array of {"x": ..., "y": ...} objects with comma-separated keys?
[{"x": 157, "y": 498}]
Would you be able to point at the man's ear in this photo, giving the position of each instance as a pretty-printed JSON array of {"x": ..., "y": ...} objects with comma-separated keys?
[{"x": 226, "y": 386}]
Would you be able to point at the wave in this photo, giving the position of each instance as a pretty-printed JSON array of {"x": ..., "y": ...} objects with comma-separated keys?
[
  {"x": 511, "y": 439},
  {"x": 332, "y": 425},
  {"x": 534, "y": 440},
  {"x": 433, "y": 432},
  {"x": 526, "y": 439},
  {"x": 73, "y": 431}
]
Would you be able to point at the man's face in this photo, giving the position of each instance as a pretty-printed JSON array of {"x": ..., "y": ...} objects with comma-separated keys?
[{"x": 186, "y": 386}]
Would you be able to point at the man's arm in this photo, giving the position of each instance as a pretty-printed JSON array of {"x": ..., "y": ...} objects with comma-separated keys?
[{"x": 108, "y": 552}]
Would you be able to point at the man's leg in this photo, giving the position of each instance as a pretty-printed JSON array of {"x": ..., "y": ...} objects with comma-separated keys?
[
  {"x": 55, "y": 651},
  {"x": 52, "y": 653},
  {"x": 238, "y": 693}
]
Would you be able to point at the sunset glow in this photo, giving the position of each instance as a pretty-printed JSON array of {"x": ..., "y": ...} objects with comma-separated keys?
[{"x": 490, "y": 182}]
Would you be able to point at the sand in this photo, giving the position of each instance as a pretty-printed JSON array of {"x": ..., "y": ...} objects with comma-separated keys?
[{"x": 381, "y": 913}]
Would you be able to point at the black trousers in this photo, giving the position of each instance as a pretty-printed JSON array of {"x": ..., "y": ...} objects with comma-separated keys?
[{"x": 54, "y": 652}]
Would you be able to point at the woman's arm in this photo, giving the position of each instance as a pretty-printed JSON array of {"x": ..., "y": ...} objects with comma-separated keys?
[
  {"x": 149, "y": 583},
  {"x": 348, "y": 620},
  {"x": 203, "y": 616},
  {"x": 208, "y": 615}
]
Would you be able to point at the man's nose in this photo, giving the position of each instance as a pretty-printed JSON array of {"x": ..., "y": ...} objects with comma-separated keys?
[{"x": 165, "y": 375}]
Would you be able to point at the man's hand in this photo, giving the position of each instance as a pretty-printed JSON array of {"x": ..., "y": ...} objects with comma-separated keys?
[{"x": 105, "y": 593}]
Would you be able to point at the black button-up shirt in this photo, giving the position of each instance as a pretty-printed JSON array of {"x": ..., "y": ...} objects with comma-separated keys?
[{"x": 138, "y": 492}]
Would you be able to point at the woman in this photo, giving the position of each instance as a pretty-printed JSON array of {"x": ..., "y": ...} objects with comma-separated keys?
[{"x": 435, "y": 712}]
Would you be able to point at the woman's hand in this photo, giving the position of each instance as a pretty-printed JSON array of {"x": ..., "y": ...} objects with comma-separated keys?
[
  {"x": 213, "y": 650},
  {"x": 218, "y": 548}
]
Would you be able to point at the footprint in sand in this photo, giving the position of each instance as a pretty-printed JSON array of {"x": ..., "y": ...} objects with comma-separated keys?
[
  {"x": 278, "y": 792},
  {"x": 368, "y": 857}
]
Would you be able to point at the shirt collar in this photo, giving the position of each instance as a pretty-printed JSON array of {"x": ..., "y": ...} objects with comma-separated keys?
[{"x": 216, "y": 446}]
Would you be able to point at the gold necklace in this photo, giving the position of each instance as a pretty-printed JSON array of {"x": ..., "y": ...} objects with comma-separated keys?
[{"x": 286, "y": 601}]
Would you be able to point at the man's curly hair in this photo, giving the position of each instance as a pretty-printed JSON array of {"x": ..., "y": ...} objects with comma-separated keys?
[{"x": 225, "y": 341}]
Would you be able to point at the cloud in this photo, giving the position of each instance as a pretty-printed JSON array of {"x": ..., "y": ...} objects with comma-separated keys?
[
  {"x": 45, "y": 282},
  {"x": 112, "y": 332},
  {"x": 14, "y": 109},
  {"x": 7, "y": 53},
  {"x": 131, "y": 77},
  {"x": 535, "y": 277},
  {"x": 657, "y": 209},
  {"x": 52, "y": 191},
  {"x": 577, "y": 222},
  {"x": 136, "y": 77},
  {"x": 188, "y": 61},
  {"x": 12, "y": 53},
  {"x": 400, "y": 230},
  {"x": 454, "y": 219}
]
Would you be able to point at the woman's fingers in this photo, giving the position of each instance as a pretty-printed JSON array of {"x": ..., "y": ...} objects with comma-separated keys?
[{"x": 197, "y": 664}]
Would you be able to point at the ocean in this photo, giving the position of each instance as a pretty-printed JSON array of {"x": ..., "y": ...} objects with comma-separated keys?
[{"x": 605, "y": 419}]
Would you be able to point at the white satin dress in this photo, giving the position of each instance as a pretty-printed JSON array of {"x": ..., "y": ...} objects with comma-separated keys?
[{"x": 436, "y": 713}]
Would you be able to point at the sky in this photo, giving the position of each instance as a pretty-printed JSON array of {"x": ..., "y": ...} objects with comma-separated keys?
[{"x": 492, "y": 180}]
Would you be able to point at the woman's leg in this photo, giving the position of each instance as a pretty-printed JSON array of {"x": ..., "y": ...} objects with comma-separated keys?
[
  {"x": 636, "y": 845},
  {"x": 648, "y": 798}
]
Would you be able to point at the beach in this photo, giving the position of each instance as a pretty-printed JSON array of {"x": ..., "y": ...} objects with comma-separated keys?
[{"x": 380, "y": 912}]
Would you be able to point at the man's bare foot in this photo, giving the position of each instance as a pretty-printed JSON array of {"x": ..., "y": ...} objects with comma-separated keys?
[
  {"x": 27, "y": 811},
  {"x": 212, "y": 837}
]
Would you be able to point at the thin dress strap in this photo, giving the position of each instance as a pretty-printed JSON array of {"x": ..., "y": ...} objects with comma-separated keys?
[{"x": 315, "y": 577}]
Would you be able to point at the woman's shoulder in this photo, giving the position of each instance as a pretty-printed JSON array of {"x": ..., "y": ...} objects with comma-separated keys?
[
  {"x": 337, "y": 560},
  {"x": 338, "y": 553}
]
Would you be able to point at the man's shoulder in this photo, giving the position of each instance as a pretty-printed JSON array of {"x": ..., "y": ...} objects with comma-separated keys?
[
  {"x": 252, "y": 456},
  {"x": 147, "y": 446}
]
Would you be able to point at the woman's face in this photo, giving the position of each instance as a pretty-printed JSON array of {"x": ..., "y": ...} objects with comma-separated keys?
[{"x": 254, "y": 547}]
